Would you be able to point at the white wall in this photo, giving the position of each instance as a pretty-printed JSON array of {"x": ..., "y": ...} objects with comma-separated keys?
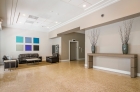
[
  {"x": 9, "y": 42},
  {"x": 110, "y": 42},
  {"x": 56, "y": 41}
]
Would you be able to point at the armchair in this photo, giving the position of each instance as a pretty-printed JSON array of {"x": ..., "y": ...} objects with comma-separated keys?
[
  {"x": 7, "y": 64},
  {"x": 53, "y": 59}
]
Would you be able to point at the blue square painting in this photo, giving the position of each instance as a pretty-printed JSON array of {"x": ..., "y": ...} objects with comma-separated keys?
[
  {"x": 28, "y": 47},
  {"x": 36, "y": 40},
  {"x": 19, "y": 39},
  {"x": 28, "y": 40}
]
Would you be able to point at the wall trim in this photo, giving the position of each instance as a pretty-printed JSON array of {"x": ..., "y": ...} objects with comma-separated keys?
[
  {"x": 138, "y": 74},
  {"x": 1, "y": 64},
  {"x": 43, "y": 59},
  {"x": 112, "y": 70},
  {"x": 109, "y": 2},
  {"x": 64, "y": 60},
  {"x": 85, "y": 65},
  {"x": 81, "y": 59}
]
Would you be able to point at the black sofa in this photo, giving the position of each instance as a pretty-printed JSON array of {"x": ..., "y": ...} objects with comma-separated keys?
[
  {"x": 53, "y": 59},
  {"x": 6, "y": 64},
  {"x": 22, "y": 57}
]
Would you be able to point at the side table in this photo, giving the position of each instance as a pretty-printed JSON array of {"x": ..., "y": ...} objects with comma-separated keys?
[{"x": 9, "y": 61}]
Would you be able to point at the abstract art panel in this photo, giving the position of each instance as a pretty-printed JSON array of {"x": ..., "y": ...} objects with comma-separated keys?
[
  {"x": 19, "y": 39},
  {"x": 36, "y": 40},
  {"x": 19, "y": 48},
  {"x": 36, "y": 47},
  {"x": 28, "y": 47},
  {"x": 28, "y": 40}
]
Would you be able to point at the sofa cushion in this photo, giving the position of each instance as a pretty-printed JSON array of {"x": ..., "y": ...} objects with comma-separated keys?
[{"x": 5, "y": 58}]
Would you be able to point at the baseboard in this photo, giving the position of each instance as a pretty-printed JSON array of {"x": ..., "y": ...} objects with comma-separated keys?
[
  {"x": 1, "y": 63},
  {"x": 85, "y": 65},
  {"x": 112, "y": 70},
  {"x": 43, "y": 59},
  {"x": 81, "y": 59},
  {"x": 64, "y": 60},
  {"x": 138, "y": 74}
]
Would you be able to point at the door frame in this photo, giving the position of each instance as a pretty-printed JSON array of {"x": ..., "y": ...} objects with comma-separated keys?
[{"x": 77, "y": 48}]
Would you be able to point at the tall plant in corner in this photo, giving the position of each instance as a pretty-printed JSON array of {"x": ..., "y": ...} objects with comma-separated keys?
[
  {"x": 93, "y": 37},
  {"x": 125, "y": 31}
]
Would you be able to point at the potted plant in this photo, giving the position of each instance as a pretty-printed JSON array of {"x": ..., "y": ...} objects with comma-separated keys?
[
  {"x": 93, "y": 37},
  {"x": 125, "y": 31}
]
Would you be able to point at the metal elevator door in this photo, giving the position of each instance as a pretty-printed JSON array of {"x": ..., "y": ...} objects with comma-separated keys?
[{"x": 73, "y": 51}]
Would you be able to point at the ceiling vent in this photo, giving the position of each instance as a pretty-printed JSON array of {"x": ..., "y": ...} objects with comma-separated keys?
[
  {"x": 33, "y": 17},
  {"x": 31, "y": 22}
]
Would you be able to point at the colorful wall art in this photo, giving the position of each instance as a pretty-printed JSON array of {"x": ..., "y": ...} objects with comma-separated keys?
[
  {"x": 19, "y": 48},
  {"x": 28, "y": 47},
  {"x": 36, "y": 47},
  {"x": 19, "y": 39},
  {"x": 28, "y": 40},
  {"x": 27, "y": 43},
  {"x": 36, "y": 40}
]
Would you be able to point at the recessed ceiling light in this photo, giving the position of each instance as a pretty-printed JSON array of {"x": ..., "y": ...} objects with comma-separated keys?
[
  {"x": 84, "y": 5},
  {"x": 56, "y": 22},
  {"x": 20, "y": 22},
  {"x": 47, "y": 27},
  {"x": 24, "y": 14}
]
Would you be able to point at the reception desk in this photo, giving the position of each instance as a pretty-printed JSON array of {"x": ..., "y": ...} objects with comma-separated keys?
[{"x": 132, "y": 57}]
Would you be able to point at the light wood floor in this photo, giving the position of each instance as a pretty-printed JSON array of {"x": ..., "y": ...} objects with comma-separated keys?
[{"x": 65, "y": 77}]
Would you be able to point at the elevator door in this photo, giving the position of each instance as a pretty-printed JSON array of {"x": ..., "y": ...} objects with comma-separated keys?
[{"x": 73, "y": 51}]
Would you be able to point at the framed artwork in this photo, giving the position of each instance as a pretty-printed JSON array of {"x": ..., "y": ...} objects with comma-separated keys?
[
  {"x": 28, "y": 47},
  {"x": 36, "y": 40},
  {"x": 36, "y": 47},
  {"x": 27, "y": 43},
  {"x": 19, "y": 47},
  {"x": 19, "y": 39},
  {"x": 28, "y": 40}
]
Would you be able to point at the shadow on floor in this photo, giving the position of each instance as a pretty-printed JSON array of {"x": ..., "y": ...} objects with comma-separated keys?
[{"x": 29, "y": 65}]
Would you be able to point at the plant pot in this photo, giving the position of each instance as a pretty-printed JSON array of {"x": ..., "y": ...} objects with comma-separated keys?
[
  {"x": 93, "y": 49},
  {"x": 125, "y": 48}
]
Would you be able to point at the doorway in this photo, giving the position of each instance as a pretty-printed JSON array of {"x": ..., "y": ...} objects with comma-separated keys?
[{"x": 73, "y": 50}]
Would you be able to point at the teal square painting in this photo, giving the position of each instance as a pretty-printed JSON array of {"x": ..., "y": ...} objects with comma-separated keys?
[
  {"x": 36, "y": 40},
  {"x": 19, "y": 39}
]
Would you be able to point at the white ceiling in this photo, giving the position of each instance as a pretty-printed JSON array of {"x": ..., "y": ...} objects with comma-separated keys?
[{"x": 44, "y": 15}]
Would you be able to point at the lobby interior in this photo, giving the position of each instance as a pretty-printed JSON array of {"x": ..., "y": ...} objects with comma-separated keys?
[{"x": 62, "y": 36}]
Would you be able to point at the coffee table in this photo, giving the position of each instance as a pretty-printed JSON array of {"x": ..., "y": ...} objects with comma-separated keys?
[{"x": 32, "y": 59}]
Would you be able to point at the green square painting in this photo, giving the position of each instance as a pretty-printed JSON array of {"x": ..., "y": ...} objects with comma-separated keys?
[
  {"x": 19, "y": 39},
  {"x": 19, "y": 47}
]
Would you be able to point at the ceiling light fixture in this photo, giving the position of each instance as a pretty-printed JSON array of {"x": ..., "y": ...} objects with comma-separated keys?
[
  {"x": 47, "y": 27},
  {"x": 84, "y": 5},
  {"x": 20, "y": 22},
  {"x": 56, "y": 22}
]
